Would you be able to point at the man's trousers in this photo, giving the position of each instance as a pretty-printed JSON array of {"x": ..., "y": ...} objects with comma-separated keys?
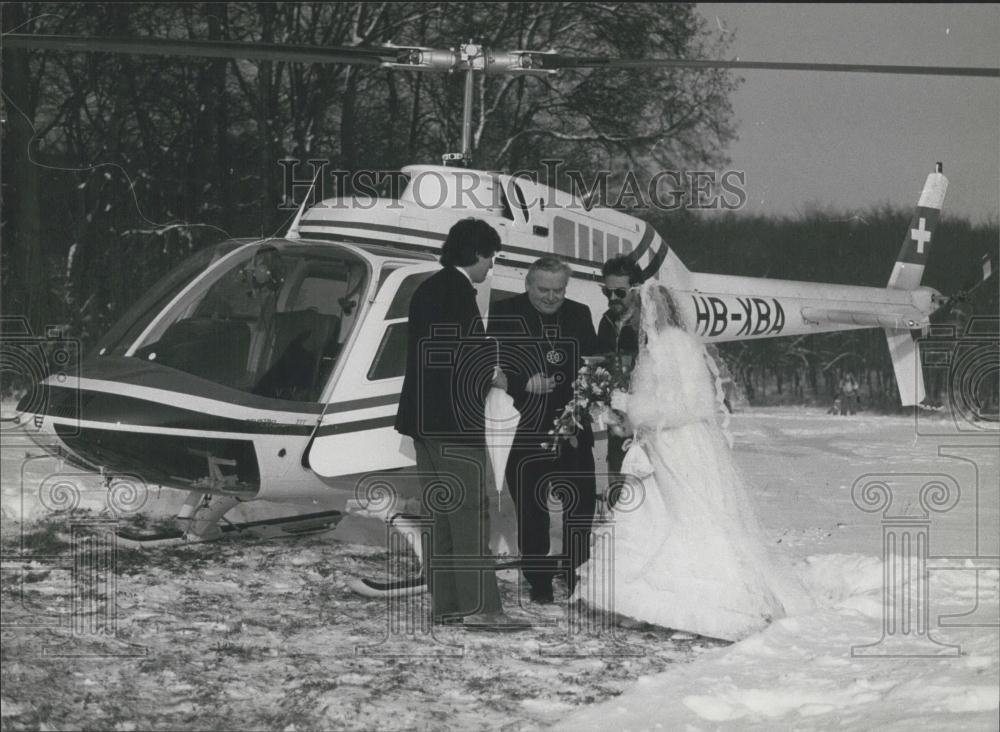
[{"x": 459, "y": 566}]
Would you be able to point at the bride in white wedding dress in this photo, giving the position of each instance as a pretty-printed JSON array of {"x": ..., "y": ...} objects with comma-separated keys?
[{"x": 687, "y": 550}]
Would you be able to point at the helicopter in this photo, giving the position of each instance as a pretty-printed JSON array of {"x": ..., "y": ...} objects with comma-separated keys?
[{"x": 270, "y": 369}]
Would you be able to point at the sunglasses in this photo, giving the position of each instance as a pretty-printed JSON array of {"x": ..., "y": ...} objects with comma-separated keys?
[{"x": 619, "y": 292}]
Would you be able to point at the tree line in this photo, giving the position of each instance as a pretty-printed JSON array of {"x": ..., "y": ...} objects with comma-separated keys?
[{"x": 117, "y": 166}]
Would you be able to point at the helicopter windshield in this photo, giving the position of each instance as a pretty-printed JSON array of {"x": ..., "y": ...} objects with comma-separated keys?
[
  {"x": 130, "y": 325},
  {"x": 270, "y": 322}
]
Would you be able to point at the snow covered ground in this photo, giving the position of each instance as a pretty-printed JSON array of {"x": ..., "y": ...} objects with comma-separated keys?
[{"x": 251, "y": 634}]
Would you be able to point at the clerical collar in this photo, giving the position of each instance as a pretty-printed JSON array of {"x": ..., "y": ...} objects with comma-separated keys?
[{"x": 549, "y": 318}]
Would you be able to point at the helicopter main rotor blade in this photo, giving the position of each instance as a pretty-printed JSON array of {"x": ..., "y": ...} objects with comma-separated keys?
[
  {"x": 203, "y": 49},
  {"x": 556, "y": 61},
  {"x": 432, "y": 60}
]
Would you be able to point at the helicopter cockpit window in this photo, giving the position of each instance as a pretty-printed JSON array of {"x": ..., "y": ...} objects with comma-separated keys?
[{"x": 271, "y": 324}]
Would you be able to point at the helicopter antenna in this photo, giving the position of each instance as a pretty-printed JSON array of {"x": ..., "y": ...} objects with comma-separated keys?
[{"x": 293, "y": 229}]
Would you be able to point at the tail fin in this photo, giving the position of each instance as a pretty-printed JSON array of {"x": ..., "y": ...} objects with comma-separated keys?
[
  {"x": 906, "y": 365},
  {"x": 912, "y": 257},
  {"x": 906, "y": 275}
]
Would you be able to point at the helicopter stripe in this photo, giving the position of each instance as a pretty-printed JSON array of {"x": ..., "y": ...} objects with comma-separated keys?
[
  {"x": 106, "y": 407},
  {"x": 657, "y": 261},
  {"x": 377, "y": 227},
  {"x": 146, "y": 380},
  {"x": 360, "y": 425},
  {"x": 644, "y": 243},
  {"x": 217, "y": 401},
  {"x": 355, "y": 404},
  {"x": 532, "y": 253}
]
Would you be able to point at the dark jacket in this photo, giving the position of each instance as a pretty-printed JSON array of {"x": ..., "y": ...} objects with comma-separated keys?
[
  {"x": 448, "y": 368},
  {"x": 611, "y": 340},
  {"x": 518, "y": 327}
]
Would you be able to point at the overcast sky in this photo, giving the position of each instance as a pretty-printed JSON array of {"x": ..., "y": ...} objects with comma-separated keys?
[{"x": 851, "y": 140}]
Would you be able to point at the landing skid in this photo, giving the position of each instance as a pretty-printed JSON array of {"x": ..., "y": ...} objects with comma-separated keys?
[
  {"x": 287, "y": 526},
  {"x": 394, "y": 588}
]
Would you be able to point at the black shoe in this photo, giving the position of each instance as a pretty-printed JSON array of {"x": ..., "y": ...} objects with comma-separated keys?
[
  {"x": 542, "y": 595},
  {"x": 495, "y": 622}
]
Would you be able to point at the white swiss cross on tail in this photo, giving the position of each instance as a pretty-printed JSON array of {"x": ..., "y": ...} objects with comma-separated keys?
[
  {"x": 920, "y": 235},
  {"x": 916, "y": 246}
]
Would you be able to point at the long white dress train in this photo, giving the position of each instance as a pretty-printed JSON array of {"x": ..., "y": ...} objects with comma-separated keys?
[{"x": 688, "y": 552}]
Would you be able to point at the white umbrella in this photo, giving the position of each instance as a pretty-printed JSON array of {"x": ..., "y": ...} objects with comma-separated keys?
[{"x": 501, "y": 422}]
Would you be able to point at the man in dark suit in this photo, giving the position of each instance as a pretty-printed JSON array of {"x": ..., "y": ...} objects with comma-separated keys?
[
  {"x": 543, "y": 337},
  {"x": 441, "y": 408},
  {"x": 617, "y": 334}
]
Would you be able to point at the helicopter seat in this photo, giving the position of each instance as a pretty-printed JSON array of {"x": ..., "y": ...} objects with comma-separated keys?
[{"x": 303, "y": 347}]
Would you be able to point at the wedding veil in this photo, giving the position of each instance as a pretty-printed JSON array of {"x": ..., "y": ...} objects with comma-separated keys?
[
  {"x": 679, "y": 379},
  {"x": 671, "y": 384}
]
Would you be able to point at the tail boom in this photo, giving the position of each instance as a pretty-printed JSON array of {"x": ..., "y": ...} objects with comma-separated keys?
[{"x": 726, "y": 308}]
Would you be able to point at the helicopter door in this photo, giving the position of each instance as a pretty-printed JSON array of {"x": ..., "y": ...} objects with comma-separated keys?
[{"x": 356, "y": 433}]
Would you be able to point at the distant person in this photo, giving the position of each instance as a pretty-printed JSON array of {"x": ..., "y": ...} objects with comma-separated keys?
[
  {"x": 849, "y": 394},
  {"x": 444, "y": 310}
]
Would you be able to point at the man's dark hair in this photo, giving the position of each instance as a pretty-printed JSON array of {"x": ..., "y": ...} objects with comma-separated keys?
[
  {"x": 467, "y": 240},
  {"x": 623, "y": 266}
]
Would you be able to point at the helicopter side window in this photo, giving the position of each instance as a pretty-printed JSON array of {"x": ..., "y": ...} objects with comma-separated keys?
[
  {"x": 390, "y": 357},
  {"x": 611, "y": 250},
  {"x": 564, "y": 237},
  {"x": 400, "y": 305}
]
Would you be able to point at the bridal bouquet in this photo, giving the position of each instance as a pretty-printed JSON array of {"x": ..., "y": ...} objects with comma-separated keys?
[{"x": 600, "y": 392}]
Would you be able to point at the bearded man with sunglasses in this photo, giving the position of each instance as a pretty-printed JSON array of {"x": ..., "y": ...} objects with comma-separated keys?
[{"x": 617, "y": 333}]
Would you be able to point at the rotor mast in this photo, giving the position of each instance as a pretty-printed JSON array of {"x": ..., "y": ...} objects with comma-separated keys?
[{"x": 469, "y": 57}]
